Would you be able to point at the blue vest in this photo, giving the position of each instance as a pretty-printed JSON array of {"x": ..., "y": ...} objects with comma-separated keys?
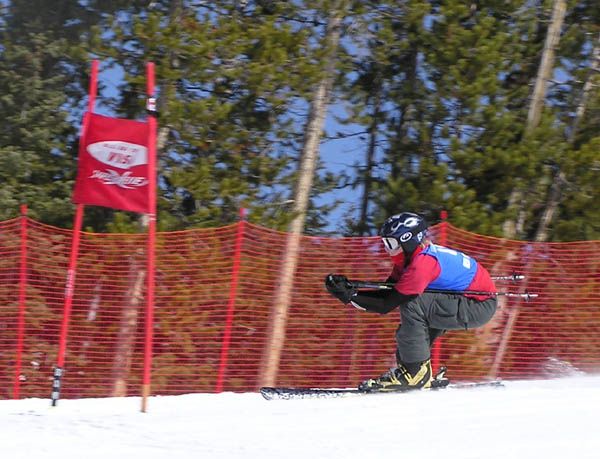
[{"x": 457, "y": 269}]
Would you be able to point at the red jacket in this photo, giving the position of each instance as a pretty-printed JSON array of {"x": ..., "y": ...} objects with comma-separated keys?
[{"x": 423, "y": 270}]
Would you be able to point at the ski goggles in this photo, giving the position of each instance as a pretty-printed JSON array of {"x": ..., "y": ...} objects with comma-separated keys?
[{"x": 391, "y": 245}]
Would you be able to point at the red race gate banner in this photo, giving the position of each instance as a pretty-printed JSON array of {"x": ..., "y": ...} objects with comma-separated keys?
[{"x": 113, "y": 164}]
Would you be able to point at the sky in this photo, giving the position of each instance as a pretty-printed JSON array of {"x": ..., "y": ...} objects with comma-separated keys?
[
  {"x": 339, "y": 155},
  {"x": 525, "y": 419}
]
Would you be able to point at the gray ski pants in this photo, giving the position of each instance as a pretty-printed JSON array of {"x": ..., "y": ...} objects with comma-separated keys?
[{"x": 430, "y": 314}]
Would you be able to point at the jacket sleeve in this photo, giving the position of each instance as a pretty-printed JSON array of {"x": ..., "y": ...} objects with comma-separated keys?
[{"x": 380, "y": 301}]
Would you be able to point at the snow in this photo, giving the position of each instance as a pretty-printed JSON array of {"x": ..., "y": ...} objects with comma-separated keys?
[{"x": 525, "y": 419}]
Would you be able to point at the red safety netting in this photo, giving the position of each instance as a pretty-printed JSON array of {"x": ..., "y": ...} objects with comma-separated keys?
[{"x": 326, "y": 343}]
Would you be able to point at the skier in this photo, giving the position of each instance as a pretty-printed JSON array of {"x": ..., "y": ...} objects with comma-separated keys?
[{"x": 418, "y": 265}]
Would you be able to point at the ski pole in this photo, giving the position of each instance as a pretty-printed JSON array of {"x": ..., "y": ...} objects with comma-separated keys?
[
  {"x": 526, "y": 295},
  {"x": 387, "y": 286}
]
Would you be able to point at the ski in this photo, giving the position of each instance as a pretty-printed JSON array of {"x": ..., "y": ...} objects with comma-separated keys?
[{"x": 288, "y": 393}]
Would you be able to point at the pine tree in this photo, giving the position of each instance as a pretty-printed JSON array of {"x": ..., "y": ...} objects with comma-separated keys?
[
  {"x": 43, "y": 81},
  {"x": 232, "y": 78},
  {"x": 455, "y": 136},
  {"x": 569, "y": 212},
  {"x": 35, "y": 162},
  {"x": 441, "y": 90}
]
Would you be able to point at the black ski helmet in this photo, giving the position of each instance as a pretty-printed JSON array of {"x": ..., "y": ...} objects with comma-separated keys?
[{"x": 406, "y": 230}]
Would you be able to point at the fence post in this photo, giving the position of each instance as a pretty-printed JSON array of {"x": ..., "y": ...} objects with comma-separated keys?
[
  {"x": 22, "y": 296},
  {"x": 151, "y": 239},
  {"x": 436, "y": 350},
  {"x": 235, "y": 275}
]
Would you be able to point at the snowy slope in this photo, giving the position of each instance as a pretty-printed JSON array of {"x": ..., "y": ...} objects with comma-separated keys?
[{"x": 526, "y": 419}]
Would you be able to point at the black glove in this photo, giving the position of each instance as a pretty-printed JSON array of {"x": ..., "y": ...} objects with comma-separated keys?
[{"x": 340, "y": 287}]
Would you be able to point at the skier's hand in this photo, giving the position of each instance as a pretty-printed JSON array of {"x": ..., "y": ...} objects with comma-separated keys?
[{"x": 339, "y": 286}]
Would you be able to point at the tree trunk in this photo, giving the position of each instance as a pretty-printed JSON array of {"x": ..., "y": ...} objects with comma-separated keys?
[
  {"x": 128, "y": 327},
  {"x": 513, "y": 226},
  {"x": 130, "y": 312},
  {"x": 308, "y": 163},
  {"x": 546, "y": 65}
]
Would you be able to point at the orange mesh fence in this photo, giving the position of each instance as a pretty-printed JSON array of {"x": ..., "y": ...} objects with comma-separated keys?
[
  {"x": 10, "y": 249},
  {"x": 326, "y": 344}
]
